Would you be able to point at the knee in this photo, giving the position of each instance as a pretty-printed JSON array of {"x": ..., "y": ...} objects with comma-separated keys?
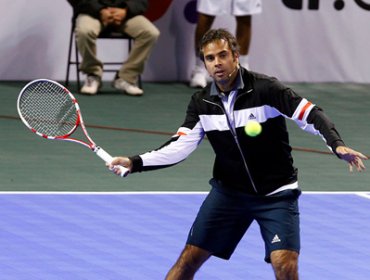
[
  {"x": 286, "y": 271},
  {"x": 155, "y": 34},
  {"x": 149, "y": 35},
  {"x": 152, "y": 34},
  {"x": 190, "y": 260},
  {"x": 184, "y": 268},
  {"x": 85, "y": 32},
  {"x": 188, "y": 263},
  {"x": 285, "y": 264}
]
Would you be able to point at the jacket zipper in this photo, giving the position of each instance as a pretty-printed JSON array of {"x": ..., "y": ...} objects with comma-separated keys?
[{"x": 233, "y": 132}]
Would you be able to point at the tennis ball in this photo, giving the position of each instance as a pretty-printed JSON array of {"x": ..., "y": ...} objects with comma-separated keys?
[{"x": 253, "y": 128}]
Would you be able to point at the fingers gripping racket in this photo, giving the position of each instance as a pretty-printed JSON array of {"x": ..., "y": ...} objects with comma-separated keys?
[{"x": 52, "y": 112}]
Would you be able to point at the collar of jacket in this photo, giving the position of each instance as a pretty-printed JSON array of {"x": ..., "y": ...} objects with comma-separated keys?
[{"x": 243, "y": 83}]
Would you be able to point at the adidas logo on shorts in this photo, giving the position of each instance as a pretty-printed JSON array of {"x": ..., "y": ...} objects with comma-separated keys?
[{"x": 275, "y": 239}]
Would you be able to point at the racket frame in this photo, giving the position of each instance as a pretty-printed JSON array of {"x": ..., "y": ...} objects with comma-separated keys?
[{"x": 79, "y": 122}]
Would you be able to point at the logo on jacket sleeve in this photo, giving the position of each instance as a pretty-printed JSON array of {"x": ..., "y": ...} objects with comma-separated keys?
[{"x": 251, "y": 117}]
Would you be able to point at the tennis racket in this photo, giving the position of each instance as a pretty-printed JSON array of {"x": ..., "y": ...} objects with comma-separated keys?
[{"x": 52, "y": 112}]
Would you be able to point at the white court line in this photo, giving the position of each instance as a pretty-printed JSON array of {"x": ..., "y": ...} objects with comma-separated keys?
[
  {"x": 361, "y": 193},
  {"x": 364, "y": 194},
  {"x": 101, "y": 193}
]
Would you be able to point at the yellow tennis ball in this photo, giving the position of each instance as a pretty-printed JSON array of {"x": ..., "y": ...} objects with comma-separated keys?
[{"x": 253, "y": 128}]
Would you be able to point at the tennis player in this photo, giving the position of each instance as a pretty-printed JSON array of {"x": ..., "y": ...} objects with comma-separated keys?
[{"x": 253, "y": 177}]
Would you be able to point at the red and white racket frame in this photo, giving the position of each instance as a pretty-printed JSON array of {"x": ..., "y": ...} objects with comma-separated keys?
[{"x": 100, "y": 152}]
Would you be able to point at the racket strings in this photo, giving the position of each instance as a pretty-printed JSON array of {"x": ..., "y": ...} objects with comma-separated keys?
[{"x": 49, "y": 109}]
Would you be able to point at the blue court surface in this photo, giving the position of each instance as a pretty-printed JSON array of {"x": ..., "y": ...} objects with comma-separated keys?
[{"x": 140, "y": 235}]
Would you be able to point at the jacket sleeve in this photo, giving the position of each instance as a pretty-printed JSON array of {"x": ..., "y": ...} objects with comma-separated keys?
[
  {"x": 89, "y": 7},
  {"x": 326, "y": 128},
  {"x": 177, "y": 149},
  {"x": 305, "y": 114},
  {"x": 136, "y": 7}
]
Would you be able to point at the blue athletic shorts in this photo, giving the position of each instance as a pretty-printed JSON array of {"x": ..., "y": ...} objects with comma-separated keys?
[{"x": 225, "y": 216}]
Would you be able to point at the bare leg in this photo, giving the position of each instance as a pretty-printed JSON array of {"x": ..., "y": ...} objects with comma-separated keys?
[
  {"x": 285, "y": 264},
  {"x": 244, "y": 33},
  {"x": 190, "y": 260}
]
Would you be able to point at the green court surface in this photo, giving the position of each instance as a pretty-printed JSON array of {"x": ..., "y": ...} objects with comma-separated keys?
[{"x": 125, "y": 125}]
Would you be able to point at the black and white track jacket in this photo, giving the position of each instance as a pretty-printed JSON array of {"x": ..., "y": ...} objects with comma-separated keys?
[{"x": 256, "y": 165}]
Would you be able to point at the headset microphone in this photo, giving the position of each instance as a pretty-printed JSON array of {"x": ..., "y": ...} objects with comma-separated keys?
[{"x": 232, "y": 72}]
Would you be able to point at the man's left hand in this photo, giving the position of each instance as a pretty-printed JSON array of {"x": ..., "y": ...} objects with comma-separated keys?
[
  {"x": 353, "y": 158},
  {"x": 119, "y": 15}
]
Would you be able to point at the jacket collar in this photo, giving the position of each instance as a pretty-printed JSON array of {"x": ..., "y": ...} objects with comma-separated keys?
[{"x": 239, "y": 84}]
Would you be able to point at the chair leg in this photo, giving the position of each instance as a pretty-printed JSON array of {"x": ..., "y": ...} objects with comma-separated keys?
[
  {"x": 77, "y": 67},
  {"x": 69, "y": 56}
]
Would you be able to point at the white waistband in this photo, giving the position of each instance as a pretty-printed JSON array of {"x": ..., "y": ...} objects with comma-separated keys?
[{"x": 283, "y": 188}]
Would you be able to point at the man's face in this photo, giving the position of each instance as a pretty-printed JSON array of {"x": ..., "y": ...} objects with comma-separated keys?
[{"x": 220, "y": 62}]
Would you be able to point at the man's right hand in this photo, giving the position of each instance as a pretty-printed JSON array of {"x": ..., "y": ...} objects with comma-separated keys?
[
  {"x": 122, "y": 161},
  {"x": 106, "y": 16}
]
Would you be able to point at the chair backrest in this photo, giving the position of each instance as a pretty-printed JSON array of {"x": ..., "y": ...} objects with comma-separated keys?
[{"x": 73, "y": 3}]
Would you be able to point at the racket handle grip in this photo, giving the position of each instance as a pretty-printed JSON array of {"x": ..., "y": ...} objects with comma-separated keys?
[{"x": 108, "y": 159}]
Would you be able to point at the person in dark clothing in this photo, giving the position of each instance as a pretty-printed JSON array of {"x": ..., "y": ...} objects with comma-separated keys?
[
  {"x": 253, "y": 177},
  {"x": 126, "y": 16}
]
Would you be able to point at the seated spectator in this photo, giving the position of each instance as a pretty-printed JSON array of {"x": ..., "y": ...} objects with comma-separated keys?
[{"x": 126, "y": 16}]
